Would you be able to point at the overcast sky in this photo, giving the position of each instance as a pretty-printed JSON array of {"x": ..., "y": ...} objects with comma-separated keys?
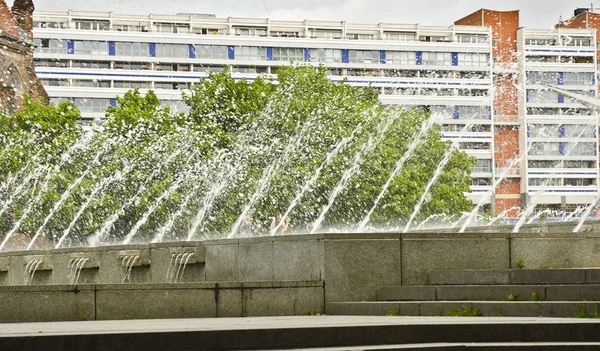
[{"x": 534, "y": 13}]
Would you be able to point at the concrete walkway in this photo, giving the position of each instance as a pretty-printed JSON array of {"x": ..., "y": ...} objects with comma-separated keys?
[{"x": 291, "y": 332}]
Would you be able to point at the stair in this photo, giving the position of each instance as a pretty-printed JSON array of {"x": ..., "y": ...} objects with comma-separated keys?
[{"x": 516, "y": 293}]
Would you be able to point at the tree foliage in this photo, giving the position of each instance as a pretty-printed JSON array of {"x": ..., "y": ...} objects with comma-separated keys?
[{"x": 303, "y": 145}]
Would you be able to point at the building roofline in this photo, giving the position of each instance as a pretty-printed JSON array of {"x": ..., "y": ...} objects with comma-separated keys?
[{"x": 483, "y": 10}]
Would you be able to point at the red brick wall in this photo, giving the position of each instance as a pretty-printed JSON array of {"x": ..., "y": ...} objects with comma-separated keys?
[{"x": 8, "y": 25}]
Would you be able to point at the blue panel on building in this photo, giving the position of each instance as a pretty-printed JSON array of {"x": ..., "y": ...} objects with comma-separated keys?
[
  {"x": 528, "y": 131},
  {"x": 231, "y": 52},
  {"x": 113, "y": 102},
  {"x": 112, "y": 48},
  {"x": 269, "y": 54},
  {"x": 70, "y": 47},
  {"x": 593, "y": 79},
  {"x": 345, "y": 56},
  {"x": 595, "y": 149},
  {"x": 306, "y": 55},
  {"x": 455, "y": 113},
  {"x": 455, "y": 59},
  {"x": 419, "y": 57},
  {"x": 152, "y": 49},
  {"x": 527, "y": 95},
  {"x": 561, "y": 149},
  {"x": 382, "y": 57},
  {"x": 561, "y": 131},
  {"x": 561, "y": 99},
  {"x": 192, "y": 49},
  {"x": 560, "y": 79},
  {"x": 490, "y": 112}
]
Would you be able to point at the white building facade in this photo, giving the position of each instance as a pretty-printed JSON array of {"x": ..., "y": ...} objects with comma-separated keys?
[
  {"x": 92, "y": 57},
  {"x": 558, "y": 135}
]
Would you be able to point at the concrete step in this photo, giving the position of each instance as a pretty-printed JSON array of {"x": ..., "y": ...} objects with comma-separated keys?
[
  {"x": 516, "y": 276},
  {"x": 574, "y": 346},
  {"x": 583, "y": 292},
  {"x": 290, "y": 333},
  {"x": 468, "y": 308}
]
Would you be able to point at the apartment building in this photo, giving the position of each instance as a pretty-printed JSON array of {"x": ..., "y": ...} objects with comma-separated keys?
[{"x": 92, "y": 57}]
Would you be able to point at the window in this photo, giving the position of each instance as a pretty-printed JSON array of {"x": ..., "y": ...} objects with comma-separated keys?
[
  {"x": 55, "y": 82},
  {"x": 482, "y": 166},
  {"x": 577, "y": 41},
  {"x": 326, "y": 55},
  {"x": 132, "y": 85},
  {"x": 541, "y": 41},
  {"x": 544, "y": 149},
  {"x": 251, "y": 32},
  {"x": 91, "y": 83},
  {"x": 579, "y": 181},
  {"x": 481, "y": 182},
  {"x": 132, "y": 49},
  {"x": 442, "y": 112},
  {"x": 472, "y": 38},
  {"x": 580, "y": 149},
  {"x": 473, "y": 112},
  {"x": 288, "y": 54},
  {"x": 202, "y": 68},
  {"x": 474, "y": 146},
  {"x": 472, "y": 75},
  {"x": 85, "y": 47},
  {"x": 542, "y": 111},
  {"x": 362, "y": 56},
  {"x": 436, "y": 74},
  {"x": 49, "y": 63},
  {"x": 92, "y": 104},
  {"x": 577, "y": 59},
  {"x": 326, "y": 34},
  {"x": 545, "y": 182},
  {"x": 91, "y": 64},
  {"x": 284, "y": 34},
  {"x": 132, "y": 65},
  {"x": 580, "y": 131},
  {"x": 578, "y": 78},
  {"x": 50, "y": 24},
  {"x": 172, "y": 50},
  {"x": 399, "y": 73},
  {"x": 50, "y": 46},
  {"x": 92, "y": 25},
  {"x": 472, "y": 60},
  {"x": 549, "y": 78},
  {"x": 542, "y": 59},
  {"x": 472, "y": 92},
  {"x": 401, "y": 58},
  {"x": 400, "y": 36},
  {"x": 437, "y": 58},
  {"x": 249, "y": 69},
  {"x": 250, "y": 53},
  {"x": 131, "y": 28},
  {"x": 214, "y": 52},
  {"x": 355, "y": 36},
  {"x": 172, "y": 28},
  {"x": 542, "y": 96},
  {"x": 543, "y": 164},
  {"x": 543, "y": 131},
  {"x": 579, "y": 164},
  {"x": 363, "y": 72}
]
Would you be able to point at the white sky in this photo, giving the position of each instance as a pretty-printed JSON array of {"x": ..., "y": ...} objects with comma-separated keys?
[{"x": 534, "y": 13}]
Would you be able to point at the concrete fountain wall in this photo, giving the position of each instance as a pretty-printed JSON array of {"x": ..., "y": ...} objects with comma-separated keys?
[{"x": 283, "y": 275}]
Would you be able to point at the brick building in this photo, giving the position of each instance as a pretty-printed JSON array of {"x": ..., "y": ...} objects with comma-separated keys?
[{"x": 17, "y": 75}]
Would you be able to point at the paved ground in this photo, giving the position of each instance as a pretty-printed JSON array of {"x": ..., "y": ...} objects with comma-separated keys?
[{"x": 218, "y": 324}]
